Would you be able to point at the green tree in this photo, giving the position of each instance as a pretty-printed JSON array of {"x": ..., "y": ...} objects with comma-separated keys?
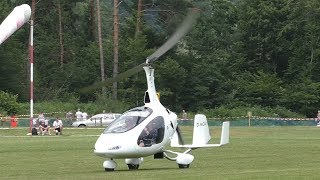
[
  {"x": 263, "y": 89},
  {"x": 13, "y": 57},
  {"x": 264, "y": 38},
  {"x": 209, "y": 49},
  {"x": 8, "y": 103}
]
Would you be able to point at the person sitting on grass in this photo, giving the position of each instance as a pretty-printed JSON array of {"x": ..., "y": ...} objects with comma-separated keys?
[
  {"x": 43, "y": 128},
  {"x": 57, "y": 124}
]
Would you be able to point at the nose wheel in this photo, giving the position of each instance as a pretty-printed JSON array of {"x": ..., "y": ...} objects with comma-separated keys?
[
  {"x": 108, "y": 169},
  {"x": 109, "y": 165}
]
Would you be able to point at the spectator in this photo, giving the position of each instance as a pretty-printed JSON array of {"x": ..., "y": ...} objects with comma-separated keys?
[
  {"x": 34, "y": 130},
  {"x": 184, "y": 115},
  {"x": 41, "y": 117},
  {"x": 7, "y": 118},
  {"x": 4, "y": 119},
  {"x": 34, "y": 122},
  {"x": 57, "y": 124},
  {"x": 69, "y": 117},
  {"x": 318, "y": 118},
  {"x": 79, "y": 115},
  {"x": 44, "y": 129},
  {"x": 84, "y": 116},
  {"x": 14, "y": 121}
]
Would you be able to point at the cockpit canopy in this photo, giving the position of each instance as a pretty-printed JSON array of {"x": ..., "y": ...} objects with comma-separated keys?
[{"x": 128, "y": 120}]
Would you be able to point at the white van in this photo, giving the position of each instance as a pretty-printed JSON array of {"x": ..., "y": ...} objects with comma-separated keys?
[{"x": 97, "y": 120}]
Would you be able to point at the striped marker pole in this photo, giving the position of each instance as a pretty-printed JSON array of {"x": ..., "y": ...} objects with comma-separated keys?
[{"x": 31, "y": 74}]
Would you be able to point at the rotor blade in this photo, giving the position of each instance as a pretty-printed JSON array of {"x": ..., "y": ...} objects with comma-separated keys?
[
  {"x": 184, "y": 28},
  {"x": 109, "y": 81},
  {"x": 173, "y": 40},
  {"x": 181, "y": 141}
]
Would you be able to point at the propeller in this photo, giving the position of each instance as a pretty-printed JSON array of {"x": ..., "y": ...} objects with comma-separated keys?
[
  {"x": 181, "y": 141},
  {"x": 183, "y": 29}
]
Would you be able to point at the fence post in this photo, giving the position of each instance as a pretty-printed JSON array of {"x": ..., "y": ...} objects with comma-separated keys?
[{"x": 249, "y": 117}]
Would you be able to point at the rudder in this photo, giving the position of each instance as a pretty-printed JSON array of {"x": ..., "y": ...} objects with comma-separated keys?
[{"x": 201, "y": 133}]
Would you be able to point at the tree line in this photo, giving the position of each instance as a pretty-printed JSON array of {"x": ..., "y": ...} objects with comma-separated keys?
[{"x": 240, "y": 53}]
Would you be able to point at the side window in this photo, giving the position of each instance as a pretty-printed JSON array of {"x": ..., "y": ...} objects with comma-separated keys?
[
  {"x": 97, "y": 118},
  {"x": 109, "y": 116},
  {"x": 153, "y": 133}
]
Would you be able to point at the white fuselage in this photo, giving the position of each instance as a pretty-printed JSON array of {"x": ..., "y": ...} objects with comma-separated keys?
[
  {"x": 124, "y": 145},
  {"x": 118, "y": 142}
]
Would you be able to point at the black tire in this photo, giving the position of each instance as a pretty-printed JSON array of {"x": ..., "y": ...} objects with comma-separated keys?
[
  {"x": 133, "y": 166},
  {"x": 183, "y": 166},
  {"x": 108, "y": 169},
  {"x": 82, "y": 126}
]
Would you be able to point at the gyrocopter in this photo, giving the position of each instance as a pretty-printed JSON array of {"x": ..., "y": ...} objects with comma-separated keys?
[{"x": 149, "y": 129}]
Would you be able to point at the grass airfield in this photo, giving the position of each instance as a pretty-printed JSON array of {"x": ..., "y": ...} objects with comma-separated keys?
[{"x": 282, "y": 152}]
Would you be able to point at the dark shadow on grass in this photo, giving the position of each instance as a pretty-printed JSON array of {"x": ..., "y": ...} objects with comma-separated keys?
[{"x": 142, "y": 169}]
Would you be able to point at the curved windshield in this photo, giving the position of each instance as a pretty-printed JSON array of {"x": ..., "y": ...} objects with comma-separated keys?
[{"x": 128, "y": 120}]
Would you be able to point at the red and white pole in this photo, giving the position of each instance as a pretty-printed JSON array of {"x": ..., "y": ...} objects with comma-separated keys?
[{"x": 31, "y": 74}]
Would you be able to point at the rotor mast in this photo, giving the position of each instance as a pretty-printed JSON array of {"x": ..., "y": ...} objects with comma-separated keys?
[{"x": 150, "y": 94}]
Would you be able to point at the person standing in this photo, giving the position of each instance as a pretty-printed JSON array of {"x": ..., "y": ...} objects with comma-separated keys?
[
  {"x": 14, "y": 121},
  {"x": 69, "y": 117},
  {"x": 318, "y": 118},
  {"x": 184, "y": 115},
  {"x": 84, "y": 116},
  {"x": 79, "y": 115},
  {"x": 41, "y": 117}
]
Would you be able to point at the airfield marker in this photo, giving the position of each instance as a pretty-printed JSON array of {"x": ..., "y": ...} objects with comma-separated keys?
[{"x": 20, "y": 15}]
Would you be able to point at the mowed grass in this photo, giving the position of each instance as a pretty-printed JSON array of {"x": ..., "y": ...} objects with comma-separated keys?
[{"x": 253, "y": 153}]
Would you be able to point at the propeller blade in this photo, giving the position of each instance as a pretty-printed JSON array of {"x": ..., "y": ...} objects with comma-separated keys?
[
  {"x": 181, "y": 141},
  {"x": 109, "y": 81},
  {"x": 184, "y": 28},
  {"x": 173, "y": 40}
]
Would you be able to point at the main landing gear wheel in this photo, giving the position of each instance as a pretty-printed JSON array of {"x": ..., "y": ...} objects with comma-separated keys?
[
  {"x": 108, "y": 169},
  {"x": 183, "y": 166},
  {"x": 133, "y": 163},
  {"x": 133, "y": 166}
]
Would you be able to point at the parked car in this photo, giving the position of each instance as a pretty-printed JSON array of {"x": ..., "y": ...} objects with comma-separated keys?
[{"x": 97, "y": 120}]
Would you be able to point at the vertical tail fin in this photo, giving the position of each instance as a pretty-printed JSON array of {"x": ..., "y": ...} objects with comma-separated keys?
[
  {"x": 225, "y": 133},
  {"x": 201, "y": 134}
]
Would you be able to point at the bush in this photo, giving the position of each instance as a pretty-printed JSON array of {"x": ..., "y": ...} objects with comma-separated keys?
[
  {"x": 224, "y": 112},
  {"x": 61, "y": 108},
  {"x": 8, "y": 103}
]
